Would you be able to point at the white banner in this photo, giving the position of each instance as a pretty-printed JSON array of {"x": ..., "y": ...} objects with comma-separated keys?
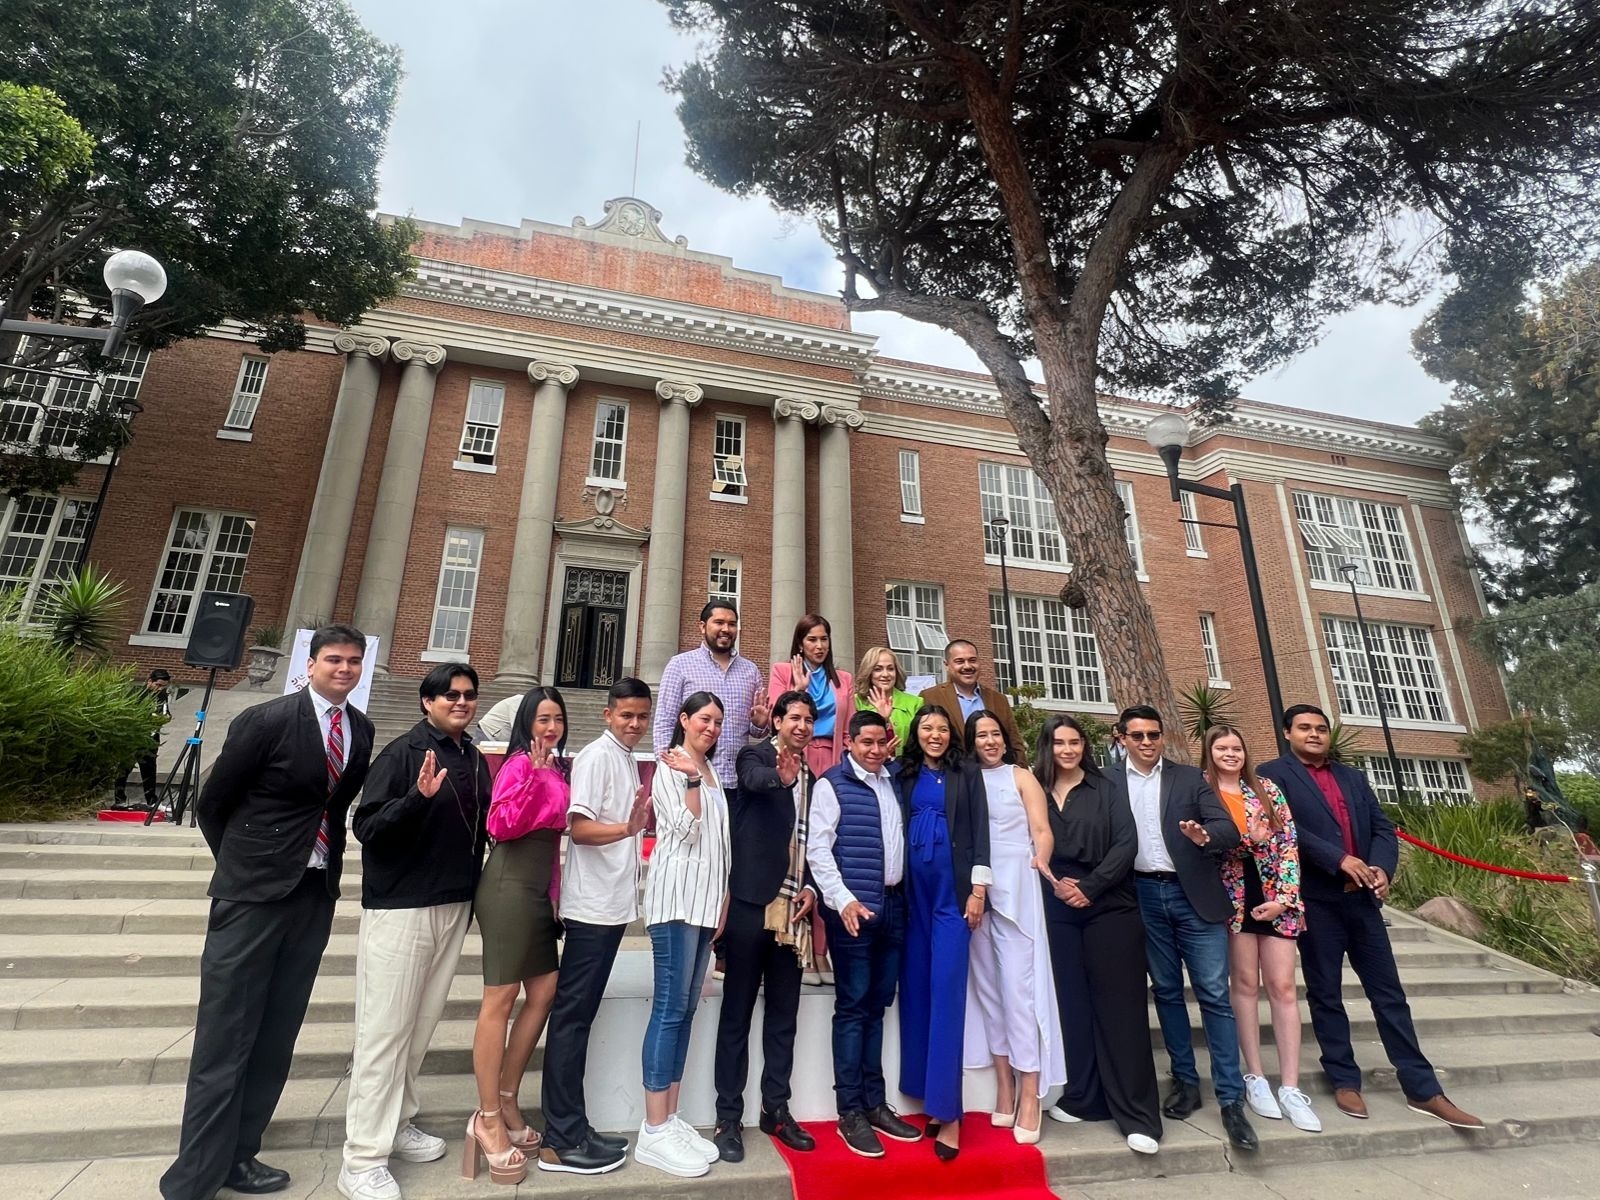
[{"x": 300, "y": 656}]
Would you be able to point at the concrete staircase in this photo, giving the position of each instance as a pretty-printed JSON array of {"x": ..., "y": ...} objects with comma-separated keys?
[
  {"x": 393, "y": 709},
  {"x": 101, "y": 929}
]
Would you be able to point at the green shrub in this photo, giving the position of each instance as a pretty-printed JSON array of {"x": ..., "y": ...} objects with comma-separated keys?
[
  {"x": 1547, "y": 924},
  {"x": 1030, "y": 720},
  {"x": 1582, "y": 791},
  {"x": 66, "y": 727}
]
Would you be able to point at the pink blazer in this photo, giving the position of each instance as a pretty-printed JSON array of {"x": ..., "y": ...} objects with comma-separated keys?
[
  {"x": 525, "y": 800},
  {"x": 824, "y": 753}
]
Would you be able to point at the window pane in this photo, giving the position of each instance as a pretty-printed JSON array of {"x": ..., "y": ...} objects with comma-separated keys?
[
  {"x": 1189, "y": 511},
  {"x": 207, "y": 551},
  {"x": 1337, "y": 529},
  {"x": 910, "y": 483},
  {"x": 914, "y": 620},
  {"x": 458, "y": 590},
  {"x": 610, "y": 436}
]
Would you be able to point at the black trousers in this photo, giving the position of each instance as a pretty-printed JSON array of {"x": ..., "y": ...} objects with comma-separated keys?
[
  {"x": 586, "y": 961},
  {"x": 147, "y": 776},
  {"x": 256, "y": 973},
  {"x": 753, "y": 959},
  {"x": 1098, "y": 960},
  {"x": 1352, "y": 924}
]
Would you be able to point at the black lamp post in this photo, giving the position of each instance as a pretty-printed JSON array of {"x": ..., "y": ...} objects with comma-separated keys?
[
  {"x": 1350, "y": 569},
  {"x": 135, "y": 279},
  {"x": 1002, "y": 528},
  {"x": 1167, "y": 433}
]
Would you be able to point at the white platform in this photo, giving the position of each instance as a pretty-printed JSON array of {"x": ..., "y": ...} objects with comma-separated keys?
[{"x": 613, "y": 1085}]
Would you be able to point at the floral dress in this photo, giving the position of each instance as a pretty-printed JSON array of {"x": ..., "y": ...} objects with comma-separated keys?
[{"x": 1277, "y": 861}]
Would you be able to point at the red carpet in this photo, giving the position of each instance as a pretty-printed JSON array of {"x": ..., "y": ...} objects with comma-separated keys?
[{"x": 991, "y": 1165}]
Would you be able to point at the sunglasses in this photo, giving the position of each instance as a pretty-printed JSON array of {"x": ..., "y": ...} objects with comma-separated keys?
[
  {"x": 1142, "y": 736},
  {"x": 452, "y": 695}
]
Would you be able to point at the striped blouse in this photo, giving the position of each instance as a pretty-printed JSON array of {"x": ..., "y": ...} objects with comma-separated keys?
[{"x": 688, "y": 875}]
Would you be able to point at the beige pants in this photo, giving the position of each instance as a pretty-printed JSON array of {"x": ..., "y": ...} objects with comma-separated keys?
[{"x": 405, "y": 961}]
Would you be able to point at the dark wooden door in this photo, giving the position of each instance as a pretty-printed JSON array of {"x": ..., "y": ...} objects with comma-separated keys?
[{"x": 592, "y": 629}]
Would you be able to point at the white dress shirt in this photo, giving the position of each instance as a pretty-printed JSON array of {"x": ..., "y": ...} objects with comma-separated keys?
[
  {"x": 823, "y": 831},
  {"x": 600, "y": 884},
  {"x": 1144, "y": 796},
  {"x": 322, "y": 708}
]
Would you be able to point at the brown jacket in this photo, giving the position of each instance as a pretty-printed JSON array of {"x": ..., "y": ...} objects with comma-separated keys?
[{"x": 944, "y": 696}]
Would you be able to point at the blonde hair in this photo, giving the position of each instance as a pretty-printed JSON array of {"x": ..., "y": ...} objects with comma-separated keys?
[{"x": 869, "y": 662}]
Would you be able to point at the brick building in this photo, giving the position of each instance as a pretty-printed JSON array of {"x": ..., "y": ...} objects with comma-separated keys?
[{"x": 559, "y": 440}]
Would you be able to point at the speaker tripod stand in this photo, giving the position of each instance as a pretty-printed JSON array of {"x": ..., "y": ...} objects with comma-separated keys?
[{"x": 186, "y": 771}]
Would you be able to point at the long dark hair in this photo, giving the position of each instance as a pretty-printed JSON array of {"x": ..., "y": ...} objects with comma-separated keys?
[
  {"x": 522, "y": 729},
  {"x": 1044, "y": 752},
  {"x": 692, "y": 704},
  {"x": 911, "y": 756},
  {"x": 971, "y": 742},
  {"x": 804, "y": 626}
]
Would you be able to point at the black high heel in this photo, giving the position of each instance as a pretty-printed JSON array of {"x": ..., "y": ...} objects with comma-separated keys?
[
  {"x": 931, "y": 1131},
  {"x": 946, "y": 1153}
]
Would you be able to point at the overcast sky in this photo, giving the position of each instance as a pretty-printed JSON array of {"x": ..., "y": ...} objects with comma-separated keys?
[{"x": 527, "y": 108}]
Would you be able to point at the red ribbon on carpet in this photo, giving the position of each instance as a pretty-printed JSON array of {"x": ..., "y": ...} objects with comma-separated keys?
[{"x": 1483, "y": 866}]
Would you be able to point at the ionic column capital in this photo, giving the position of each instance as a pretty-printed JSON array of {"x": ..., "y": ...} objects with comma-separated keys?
[
  {"x": 797, "y": 407},
  {"x": 680, "y": 390},
  {"x": 372, "y": 346},
  {"x": 849, "y": 418},
  {"x": 424, "y": 354},
  {"x": 542, "y": 371}
]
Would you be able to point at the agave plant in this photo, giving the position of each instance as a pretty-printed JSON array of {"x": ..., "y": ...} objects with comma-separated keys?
[
  {"x": 1202, "y": 707},
  {"x": 82, "y": 611},
  {"x": 1342, "y": 740}
]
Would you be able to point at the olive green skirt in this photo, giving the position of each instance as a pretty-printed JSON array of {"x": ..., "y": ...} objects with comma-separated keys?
[{"x": 515, "y": 916}]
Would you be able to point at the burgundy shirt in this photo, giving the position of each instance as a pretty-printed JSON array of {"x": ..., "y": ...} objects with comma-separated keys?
[{"x": 1329, "y": 786}]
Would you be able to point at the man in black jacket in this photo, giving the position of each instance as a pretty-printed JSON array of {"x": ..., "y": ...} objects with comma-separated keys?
[
  {"x": 767, "y": 827},
  {"x": 421, "y": 824},
  {"x": 273, "y": 814},
  {"x": 1183, "y": 833}
]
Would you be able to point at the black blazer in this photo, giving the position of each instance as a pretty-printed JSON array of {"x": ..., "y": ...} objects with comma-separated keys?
[
  {"x": 966, "y": 812},
  {"x": 1186, "y": 796},
  {"x": 1317, "y": 829},
  {"x": 264, "y": 800},
  {"x": 760, "y": 824}
]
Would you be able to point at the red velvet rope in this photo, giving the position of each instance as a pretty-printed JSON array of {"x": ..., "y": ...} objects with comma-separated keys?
[{"x": 1483, "y": 866}]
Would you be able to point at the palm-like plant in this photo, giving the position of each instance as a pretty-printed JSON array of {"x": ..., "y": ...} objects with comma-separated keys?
[
  {"x": 1342, "y": 740},
  {"x": 1201, "y": 707},
  {"x": 82, "y": 611}
]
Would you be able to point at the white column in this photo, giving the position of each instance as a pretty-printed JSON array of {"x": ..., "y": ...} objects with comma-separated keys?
[
  {"x": 835, "y": 542},
  {"x": 663, "y": 581},
  {"x": 316, "y": 583},
  {"x": 789, "y": 416},
  {"x": 527, "y": 589},
  {"x": 383, "y": 569}
]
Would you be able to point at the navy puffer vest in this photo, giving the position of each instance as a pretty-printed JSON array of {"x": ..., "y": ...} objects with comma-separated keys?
[{"x": 858, "y": 842}]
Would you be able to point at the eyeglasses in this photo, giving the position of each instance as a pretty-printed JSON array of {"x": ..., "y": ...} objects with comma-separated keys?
[
  {"x": 454, "y": 695},
  {"x": 1142, "y": 736}
]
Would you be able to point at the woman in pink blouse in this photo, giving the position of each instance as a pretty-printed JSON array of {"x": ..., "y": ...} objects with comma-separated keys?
[{"x": 516, "y": 910}]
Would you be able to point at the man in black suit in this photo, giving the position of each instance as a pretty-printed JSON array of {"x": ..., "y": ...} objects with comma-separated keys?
[
  {"x": 769, "y": 888},
  {"x": 273, "y": 814},
  {"x": 1348, "y": 856},
  {"x": 1183, "y": 833}
]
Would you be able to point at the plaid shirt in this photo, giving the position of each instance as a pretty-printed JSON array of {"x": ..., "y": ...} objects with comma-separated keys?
[{"x": 737, "y": 687}]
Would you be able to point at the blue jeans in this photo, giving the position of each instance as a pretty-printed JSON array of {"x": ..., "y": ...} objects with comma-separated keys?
[
  {"x": 681, "y": 953},
  {"x": 865, "y": 970},
  {"x": 1176, "y": 937}
]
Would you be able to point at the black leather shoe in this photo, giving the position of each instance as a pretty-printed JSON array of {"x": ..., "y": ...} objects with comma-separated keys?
[
  {"x": 946, "y": 1153},
  {"x": 887, "y": 1122},
  {"x": 1238, "y": 1126},
  {"x": 254, "y": 1178},
  {"x": 1182, "y": 1100},
  {"x": 858, "y": 1134},
  {"x": 610, "y": 1141},
  {"x": 780, "y": 1124},
  {"x": 591, "y": 1158},
  {"x": 729, "y": 1141}
]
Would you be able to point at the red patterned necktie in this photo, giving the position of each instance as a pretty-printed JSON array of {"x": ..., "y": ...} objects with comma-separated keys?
[{"x": 335, "y": 769}]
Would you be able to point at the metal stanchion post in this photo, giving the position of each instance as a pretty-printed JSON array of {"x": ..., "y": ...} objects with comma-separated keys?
[{"x": 1591, "y": 880}]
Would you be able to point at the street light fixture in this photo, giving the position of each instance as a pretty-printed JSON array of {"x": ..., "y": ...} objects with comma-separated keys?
[
  {"x": 1167, "y": 435},
  {"x": 1350, "y": 569},
  {"x": 1002, "y": 528},
  {"x": 135, "y": 280}
]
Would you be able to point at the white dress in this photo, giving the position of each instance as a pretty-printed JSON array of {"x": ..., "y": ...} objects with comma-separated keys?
[{"x": 1011, "y": 994}]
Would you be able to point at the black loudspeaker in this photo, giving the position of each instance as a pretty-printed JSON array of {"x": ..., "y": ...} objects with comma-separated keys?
[{"x": 221, "y": 623}]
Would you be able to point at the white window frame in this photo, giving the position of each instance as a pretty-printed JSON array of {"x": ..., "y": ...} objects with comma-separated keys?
[
  {"x": 1210, "y": 647},
  {"x": 727, "y": 563},
  {"x": 729, "y": 482},
  {"x": 620, "y": 477},
  {"x": 1335, "y": 529},
  {"x": 480, "y": 439},
  {"x": 1130, "y": 528},
  {"x": 1430, "y": 780},
  {"x": 242, "y": 408},
  {"x": 43, "y": 386},
  {"x": 914, "y": 626},
  {"x": 473, "y": 537},
  {"x": 911, "y": 488},
  {"x": 203, "y": 580},
  {"x": 1409, "y": 674},
  {"x": 1194, "y": 545},
  {"x": 1016, "y": 492},
  {"x": 1056, "y": 650},
  {"x": 57, "y": 553}
]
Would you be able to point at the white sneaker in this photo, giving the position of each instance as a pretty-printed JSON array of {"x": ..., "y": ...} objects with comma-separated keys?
[
  {"x": 1056, "y": 1113},
  {"x": 1258, "y": 1095},
  {"x": 412, "y": 1145},
  {"x": 1141, "y": 1143},
  {"x": 667, "y": 1150},
  {"x": 1298, "y": 1105},
  {"x": 704, "y": 1146},
  {"x": 376, "y": 1184}
]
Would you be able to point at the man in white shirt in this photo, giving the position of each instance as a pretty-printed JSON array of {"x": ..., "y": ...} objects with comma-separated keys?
[
  {"x": 599, "y": 897},
  {"x": 857, "y": 854},
  {"x": 495, "y": 725}
]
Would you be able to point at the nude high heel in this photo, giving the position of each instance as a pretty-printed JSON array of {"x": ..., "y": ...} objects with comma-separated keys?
[
  {"x": 509, "y": 1166},
  {"x": 526, "y": 1138}
]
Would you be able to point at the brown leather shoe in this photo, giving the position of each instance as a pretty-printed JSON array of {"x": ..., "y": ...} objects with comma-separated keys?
[
  {"x": 1440, "y": 1106},
  {"x": 1349, "y": 1102}
]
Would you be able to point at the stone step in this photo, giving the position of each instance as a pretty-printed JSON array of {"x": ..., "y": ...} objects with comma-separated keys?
[{"x": 99, "y": 833}]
